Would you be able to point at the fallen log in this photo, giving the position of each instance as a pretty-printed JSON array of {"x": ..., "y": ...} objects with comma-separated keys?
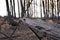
[{"x": 40, "y": 28}]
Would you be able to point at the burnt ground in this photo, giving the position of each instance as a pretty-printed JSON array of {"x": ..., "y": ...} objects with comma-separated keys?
[{"x": 21, "y": 33}]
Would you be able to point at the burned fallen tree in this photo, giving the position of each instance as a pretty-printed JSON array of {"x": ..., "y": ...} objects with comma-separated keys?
[{"x": 43, "y": 29}]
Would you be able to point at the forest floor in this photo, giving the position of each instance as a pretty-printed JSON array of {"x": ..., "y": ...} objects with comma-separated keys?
[{"x": 22, "y": 33}]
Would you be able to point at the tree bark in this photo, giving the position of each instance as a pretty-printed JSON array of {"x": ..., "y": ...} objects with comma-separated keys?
[
  {"x": 18, "y": 8},
  {"x": 22, "y": 9},
  {"x": 11, "y": 7},
  {"x": 7, "y": 5},
  {"x": 14, "y": 8},
  {"x": 23, "y": 13},
  {"x": 52, "y": 9}
]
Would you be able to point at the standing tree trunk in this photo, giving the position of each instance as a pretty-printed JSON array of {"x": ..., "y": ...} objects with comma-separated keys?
[
  {"x": 7, "y": 5},
  {"x": 45, "y": 14},
  {"x": 18, "y": 8},
  {"x": 28, "y": 6},
  {"x": 41, "y": 8},
  {"x": 57, "y": 9},
  {"x": 23, "y": 11},
  {"x": 11, "y": 7},
  {"x": 48, "y": 9},
  {"x": 52, "y": 9},
  {"x": 14, "y": 8}
]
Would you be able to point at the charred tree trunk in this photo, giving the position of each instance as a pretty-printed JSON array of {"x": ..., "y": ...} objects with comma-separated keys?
[
  {"x": 23, "y": 13},
  {"x": 22, "y": 9},
  {"x": 52, "y": 9},
  {"x": 45, "y": 14},
  {"x": 57, "y": 9},
  {"x": 48, "y": 9},
  {"x": 27, "y": 12},
  {"x": 48, "y": 5},
  {"x": 11, "y": 7},
  {"x": 14, "y": 8},
  {"x": 7, "y": 5}
]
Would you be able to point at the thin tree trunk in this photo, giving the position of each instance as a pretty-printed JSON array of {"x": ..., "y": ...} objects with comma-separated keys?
[
  {"x": 41, "y": 8},
  {"x": 14, "y": 8},
  {"x": 22, "y": 9},
  {"x": 48, "y": 9},
  {"x": 27, "y": 12},
  {"x": 18, "y": 8},
  {"x": 28, "y": 6},
  {"x": 52, "y": 9},
  {"x": 57, "y": 9},
  {"x": 44, "y": 10},
  {"x": 11, "y": 7},
  {"x": 34, "y": 8},
  {"x": 7, "y": 5}
]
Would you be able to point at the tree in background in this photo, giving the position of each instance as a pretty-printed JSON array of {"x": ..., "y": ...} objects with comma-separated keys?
[
  {"x": 18, "y": 8},
  {"x": 7, "y": 5},
  {"x": 14, "y": 8},
  {"x": 23, "y": 10},
  {"x": 58, "y": 9}
]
